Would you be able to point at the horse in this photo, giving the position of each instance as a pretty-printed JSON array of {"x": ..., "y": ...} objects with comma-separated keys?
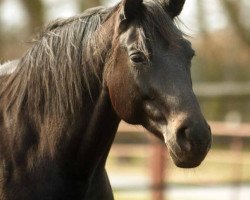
[{"x": 62, "y": 101}]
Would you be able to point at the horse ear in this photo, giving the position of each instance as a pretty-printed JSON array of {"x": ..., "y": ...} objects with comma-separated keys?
[
  {"x": 131, "y": 9},
  {"x": 174, "y": 7}
]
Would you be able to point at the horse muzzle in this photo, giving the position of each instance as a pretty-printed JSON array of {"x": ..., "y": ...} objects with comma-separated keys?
[{"x": 188, "y": 140}]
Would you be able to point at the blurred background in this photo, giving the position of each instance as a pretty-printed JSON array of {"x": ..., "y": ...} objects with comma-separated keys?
[{"x": 139, "y": 166}]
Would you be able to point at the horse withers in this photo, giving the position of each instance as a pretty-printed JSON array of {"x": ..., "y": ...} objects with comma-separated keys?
[{"x": 61, "y": 103}]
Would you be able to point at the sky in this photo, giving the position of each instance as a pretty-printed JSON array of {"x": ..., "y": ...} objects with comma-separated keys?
[{"x": 13, "y": 13}]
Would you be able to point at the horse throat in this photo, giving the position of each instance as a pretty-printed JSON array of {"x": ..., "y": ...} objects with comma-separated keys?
[{"x": 99, "y": 135}]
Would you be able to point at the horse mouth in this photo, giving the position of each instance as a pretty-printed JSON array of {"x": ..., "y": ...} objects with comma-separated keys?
[{"x": 184, "y": 162}]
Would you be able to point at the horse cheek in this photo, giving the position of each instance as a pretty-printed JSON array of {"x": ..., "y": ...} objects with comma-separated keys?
[{"x": 122, "y": 96}]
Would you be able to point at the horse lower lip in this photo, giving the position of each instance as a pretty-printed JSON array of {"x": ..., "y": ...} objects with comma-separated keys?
[
  {"x": 188, "y": 164},
  {"x": 184, "y": 163}
]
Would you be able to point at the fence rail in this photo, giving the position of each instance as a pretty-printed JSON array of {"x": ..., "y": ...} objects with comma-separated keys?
[
  {"x": 229, "y": 129},
  {"x": 237, "y": 131},
  {"x": 222, "y": 89}
]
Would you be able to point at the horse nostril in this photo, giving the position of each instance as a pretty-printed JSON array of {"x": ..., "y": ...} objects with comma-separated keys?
[{"x": 183, "y": 138}]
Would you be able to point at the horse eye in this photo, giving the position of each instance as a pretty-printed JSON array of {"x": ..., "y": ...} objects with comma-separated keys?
[{"x": 137, "y": 58}]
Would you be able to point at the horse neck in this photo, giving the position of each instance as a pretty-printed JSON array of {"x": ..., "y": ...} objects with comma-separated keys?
[
  {"x": 102, "y": 124},
  {"x": 99, "y": 135}
]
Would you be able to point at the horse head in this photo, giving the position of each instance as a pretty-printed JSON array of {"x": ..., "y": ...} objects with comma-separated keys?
[{"x": 149, "y": 81}]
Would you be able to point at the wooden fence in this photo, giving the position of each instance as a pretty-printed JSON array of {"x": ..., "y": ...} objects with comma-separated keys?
[{"x": 237, "y": 131}]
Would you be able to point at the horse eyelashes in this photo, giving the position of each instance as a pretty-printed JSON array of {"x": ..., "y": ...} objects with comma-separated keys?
[{"x": 137, "y": 59}]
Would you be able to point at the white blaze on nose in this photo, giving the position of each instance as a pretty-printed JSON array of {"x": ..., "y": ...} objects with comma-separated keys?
[{"x": 170, "y": 132}]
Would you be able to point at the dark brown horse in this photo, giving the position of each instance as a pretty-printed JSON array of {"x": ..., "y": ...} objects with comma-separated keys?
[{"x": 61, "y": 103}]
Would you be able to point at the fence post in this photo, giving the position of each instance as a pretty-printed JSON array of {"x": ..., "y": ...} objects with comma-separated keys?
[
  {"x": 158, "y": 169},
  {"x": 237, "y": 147}
]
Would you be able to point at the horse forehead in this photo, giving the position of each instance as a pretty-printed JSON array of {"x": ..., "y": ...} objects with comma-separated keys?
[
  {"x": 130, "y": 36},
  {"x": 154, "y": 42}
]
